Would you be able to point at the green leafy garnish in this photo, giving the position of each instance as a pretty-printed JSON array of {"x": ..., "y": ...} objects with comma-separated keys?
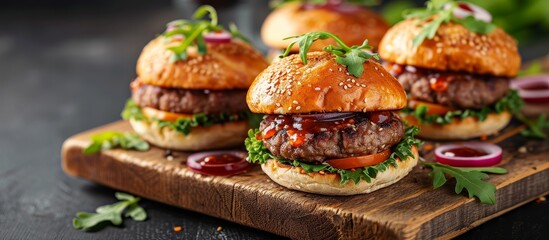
[
  {"x": 470, "y": 179},
  {"x": 193, "y": 32},
  {"x": 535, "y": 127},
  {"x": 511, "y": 102},
  {"x": 277, "y": 3},
  {"x": 112, "y": 139},
  {"x": 111, "y": 213},
  {"x": 352, "y": 57},
  {"x": 439, "y": 12},
  {"x": 185, "y": 125},
  {"x": 258, "y": 153},
  {"x": 534, "y": 68}
]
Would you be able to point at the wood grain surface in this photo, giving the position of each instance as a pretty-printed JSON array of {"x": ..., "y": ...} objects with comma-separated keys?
[{"x": 409, "y": 209}]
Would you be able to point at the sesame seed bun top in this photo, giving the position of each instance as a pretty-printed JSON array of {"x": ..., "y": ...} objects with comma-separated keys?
[
  {"x": 323, "y": 85},
  {"x": 232, "y": 65},
  {"x": 292, "y": 19},
  {"x": 454, "y": 48}
]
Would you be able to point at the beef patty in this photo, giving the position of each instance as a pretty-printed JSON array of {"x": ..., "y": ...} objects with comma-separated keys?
[
  {"x": 187, "y": 101},
  {"x": 462, "y": 90},
  {"x": 359, "y": 137}
]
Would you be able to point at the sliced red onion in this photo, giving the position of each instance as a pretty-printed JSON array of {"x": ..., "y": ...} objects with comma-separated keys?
[
  {"x": 533, "y": 89},
  {"x": 196, "y": 163},
  {"x": 327, "y": 116},
  {"x": 218, "y": 37},
  {"x": 463, "y": 10},
  {"x": 492, "y": 157},
  {"x": 334, "y": 5}
]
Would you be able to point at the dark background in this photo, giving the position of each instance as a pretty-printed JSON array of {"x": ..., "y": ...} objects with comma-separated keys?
[{"x": 65, "y": 67}]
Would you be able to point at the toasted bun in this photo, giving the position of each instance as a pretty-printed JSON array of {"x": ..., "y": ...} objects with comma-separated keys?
[
  {"x": 454, "y": 48},
  {"x": 461, "y": 129},
  {"x": 201, "y": 138},
  {"x": 231, "y": 65},
  {"x": 329, "y": 183},
  {"x": 288, "y": 86},
  {"x": 353, "y": 28}
]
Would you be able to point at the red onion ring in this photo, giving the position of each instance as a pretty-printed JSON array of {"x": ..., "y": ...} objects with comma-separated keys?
[
  {"x": 218, "y": 37},
  {"x": 326, "y": 116},
  {"x": 196, "y": 164},
  {"x": 492, "y": 157},
  {"x": 523, "y": 84},
  {"x": 336, "y": 5},
  {"x": 477, "y": 12}
]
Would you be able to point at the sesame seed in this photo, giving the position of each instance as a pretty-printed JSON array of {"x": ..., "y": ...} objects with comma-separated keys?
[
  {"x": 339, "y": 69},
  {"x": 289, "y": 108},
  {"x": 331, "y": 70},
  {"x": 317, "y": 88},
  {"x": 380, "y": 129},
  {"x": 375, "y": 68},
  {"x": 298, "y": 107},
  {"x": 277, "y": 104},
  {"x": 341, "y": 84},
  {"x": 363, "y": 85},
  {"x": 294, "y": 102}
]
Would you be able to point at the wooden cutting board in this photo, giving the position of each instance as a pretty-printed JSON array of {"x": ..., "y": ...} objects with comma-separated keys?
[{"x": 409, "y": 209}]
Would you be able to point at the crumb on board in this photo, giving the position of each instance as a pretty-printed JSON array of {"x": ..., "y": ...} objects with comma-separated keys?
[
  {"x": 522, "y": 149},
  {"x": 177, "y": 229},
  {"x": 219, "y": 229},
  {"x": 541, "y": 199}
]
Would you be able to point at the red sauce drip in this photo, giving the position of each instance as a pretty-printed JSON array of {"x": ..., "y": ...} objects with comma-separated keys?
[
  {"x": 440, "y": 83},
  {"x": 466, "y": 152},
  {"x": 380, "y": 117},
  {"x": 537, "y": 86},
  {"x": 465, "y": 7},
  {"x": 300, "y": 128}
]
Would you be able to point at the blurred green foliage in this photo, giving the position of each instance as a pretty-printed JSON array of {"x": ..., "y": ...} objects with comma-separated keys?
[{"x": 523, "y": 19}]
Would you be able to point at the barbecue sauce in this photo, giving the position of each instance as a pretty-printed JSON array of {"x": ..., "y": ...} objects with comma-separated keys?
[
  {"x": 301, "y": 128},
  {"x": 465, "y": 152}
]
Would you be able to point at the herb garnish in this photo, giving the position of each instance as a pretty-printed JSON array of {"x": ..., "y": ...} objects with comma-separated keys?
[
  {"x": 352, "y": 57},
  {"x": 511, "y": 102},
  {"x": 112, "y": 139},
  {"x": 111, "y": 213},
  {"x": 277, "y": 3},
  {"x": 193, "y": 32},
  {"x": 535, "y": 127},
  {"x": 258, "y": 153},
  {"x": 185, "y": 125},
  {"x": 438, "y": 12},
  {"x": 470, "y": 179}
]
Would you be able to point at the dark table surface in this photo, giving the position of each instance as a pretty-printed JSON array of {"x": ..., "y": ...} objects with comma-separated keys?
[{"x": 65, "y": 69}]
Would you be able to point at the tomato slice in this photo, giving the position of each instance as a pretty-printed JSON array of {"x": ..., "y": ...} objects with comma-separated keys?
[
  {"x": 162, "y": 115},
  {"x": 432, "y": 109},
  {"x": 360, "y": 161}
]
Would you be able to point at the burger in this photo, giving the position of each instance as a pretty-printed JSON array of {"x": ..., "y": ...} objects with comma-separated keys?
[
  {"x": 455, "y": 66},
  {"x": 190, "y": 90},
  {"x": 327, "y": 128},
  {"x": 349, "y": 20}
]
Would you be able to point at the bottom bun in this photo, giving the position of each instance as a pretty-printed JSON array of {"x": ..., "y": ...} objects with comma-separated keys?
[
  {"x": 201, "y": 138},
  {"x": 466, "y": 128},
  {"x": 330, "y": 183}
]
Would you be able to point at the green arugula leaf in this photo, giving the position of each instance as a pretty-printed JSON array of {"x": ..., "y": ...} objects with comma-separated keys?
[
  {"x": 474, "y": 25},
  {"x": 534, "y": 68},
  {"x": 351, "y": 57},
  {"x": 193, "y": 32},
  {"x": 435, "y": 14},
  {"x": 511, "y": 102},
  {"x": 258, "y": 153},
  {"x": 535, "y": 127},
  {"x": 112, "y": 139},
  {"x": 470, "y": 179},
  {"x": 184, "y": 125},
  {"x": 111, "y": 213}
]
